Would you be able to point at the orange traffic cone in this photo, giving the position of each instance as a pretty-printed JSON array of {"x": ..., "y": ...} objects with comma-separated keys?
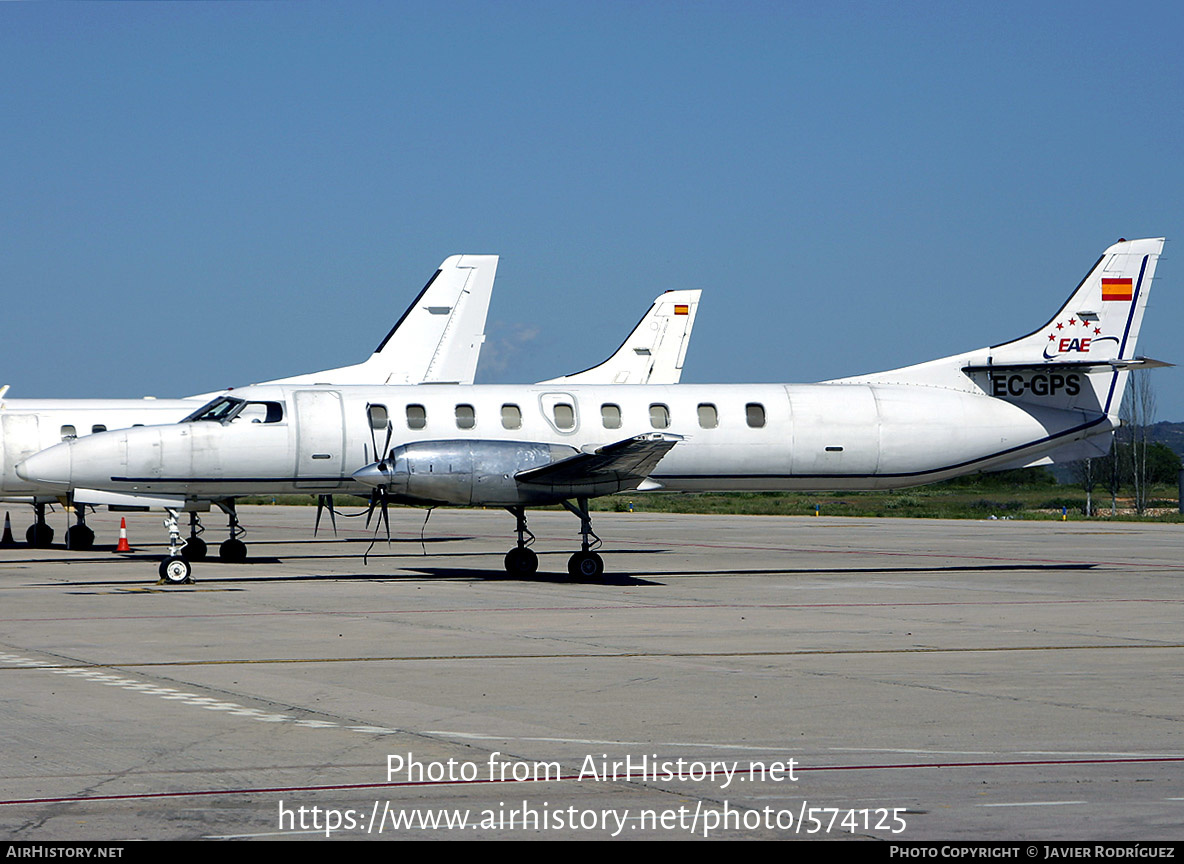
[
  {"x": 6, "y": 541},
  {"x": 123, "y": 545}
]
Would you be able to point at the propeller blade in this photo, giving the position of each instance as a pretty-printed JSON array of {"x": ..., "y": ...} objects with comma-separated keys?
[
  {"x": 386, "y": 445},
  {"x": 324, "y": 501},
  {"x": 370, "y": 423},
  {"x": 373, "y": 503}
]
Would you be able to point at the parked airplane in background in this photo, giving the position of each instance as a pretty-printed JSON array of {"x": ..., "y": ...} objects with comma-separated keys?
[
  {"x": 982, "y": 410},
  {"x": 437, "y": 340}
]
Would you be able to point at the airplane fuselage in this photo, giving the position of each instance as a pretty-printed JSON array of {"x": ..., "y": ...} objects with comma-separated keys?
[{"x": 752, "y": 437}]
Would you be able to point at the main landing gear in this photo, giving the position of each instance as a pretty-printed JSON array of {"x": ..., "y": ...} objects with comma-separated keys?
[
  {"x": 39, "y": 535},
  {"x": 79, "y": 535},
  {"x": 233, "y": 550},
  {"x": 195, "y": 548},
  {"x": 521, "y": 560},
  {"x": 586, "y": 564}
]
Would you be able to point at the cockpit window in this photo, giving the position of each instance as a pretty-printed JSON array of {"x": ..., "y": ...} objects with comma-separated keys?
[
  {"x": 226, "y": 409},
  {"x": 221, "y": 410}
]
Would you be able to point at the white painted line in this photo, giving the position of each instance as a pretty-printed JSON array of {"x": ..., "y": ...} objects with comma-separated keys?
[{"x": 1033, "y": 804}]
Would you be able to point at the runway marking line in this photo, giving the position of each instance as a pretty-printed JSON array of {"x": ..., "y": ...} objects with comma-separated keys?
[
  {"x": 33, "y": 664},
  {"x": 624, "y": 606}
]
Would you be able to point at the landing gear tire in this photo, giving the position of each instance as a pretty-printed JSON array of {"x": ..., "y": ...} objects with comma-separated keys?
[
  {"x": 522, "y": 562},
  {"x": 79, "y": 537},
  {"x": 175, "y": 571},
  {"x": 233, "y": 551},
  {"x": 39, "y": 535},
  {"x": 195, "y": 549},
  {"x": 585, "y": 565}
]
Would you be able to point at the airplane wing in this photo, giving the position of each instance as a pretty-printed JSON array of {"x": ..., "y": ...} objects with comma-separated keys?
[
  {"x": 654, "y": 352},
  {"x": 614, "y": 467}
]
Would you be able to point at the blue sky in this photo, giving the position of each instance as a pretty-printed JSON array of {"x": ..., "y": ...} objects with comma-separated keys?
[{"x": 195, "y": 195}]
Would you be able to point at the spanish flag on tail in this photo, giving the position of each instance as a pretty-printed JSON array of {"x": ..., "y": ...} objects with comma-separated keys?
[{"x": 1117, "y": 289}]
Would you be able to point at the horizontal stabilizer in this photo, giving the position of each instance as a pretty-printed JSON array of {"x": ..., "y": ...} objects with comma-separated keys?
[
  {"x": 625, "y": 463},
  {"x": 1073, "y": 365}
]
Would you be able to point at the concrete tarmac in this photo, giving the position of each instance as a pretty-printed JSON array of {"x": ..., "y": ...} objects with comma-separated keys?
[{"x": 732, "y": 677}]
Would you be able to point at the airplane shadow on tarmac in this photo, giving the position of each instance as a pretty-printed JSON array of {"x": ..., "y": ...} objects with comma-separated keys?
[{"x": 411, "y": 572}]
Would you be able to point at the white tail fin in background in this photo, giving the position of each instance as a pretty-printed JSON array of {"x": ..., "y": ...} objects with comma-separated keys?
[
  {"x": 437, "y": 340},
  {"x": 654, "y": 352}
]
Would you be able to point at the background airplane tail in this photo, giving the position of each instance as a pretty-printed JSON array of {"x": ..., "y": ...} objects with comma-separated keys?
[
  {"x": 654, "y": 352},
  {"x": 438, "y": 338}
]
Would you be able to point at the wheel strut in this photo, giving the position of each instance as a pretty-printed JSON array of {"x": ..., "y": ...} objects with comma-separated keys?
[
  {"x": 79, "y": 535},
  {"x": 174, "y": 570},
  {"x": 521, "y": 560},
  {"x": 585, "y": 564},
  {"x": 232, "y": 550}
]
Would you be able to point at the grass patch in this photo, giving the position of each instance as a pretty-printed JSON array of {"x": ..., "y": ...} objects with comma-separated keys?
[{"x": 959, "y": 500}]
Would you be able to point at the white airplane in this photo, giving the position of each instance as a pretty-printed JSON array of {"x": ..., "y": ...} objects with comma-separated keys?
[
  {"x": 982, "y": 410},
  {"x": 437, "y": 340}
]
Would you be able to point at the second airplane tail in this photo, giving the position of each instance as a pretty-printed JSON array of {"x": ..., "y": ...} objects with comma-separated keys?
[{"x": 654, "y": 352}]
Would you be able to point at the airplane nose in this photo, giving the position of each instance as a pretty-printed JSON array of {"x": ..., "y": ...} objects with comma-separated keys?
[{"x": 52, "y": 466}]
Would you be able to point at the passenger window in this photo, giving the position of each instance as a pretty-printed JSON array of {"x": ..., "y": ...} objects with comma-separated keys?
[
  {"x": 610, "y": 415},
  {"x": 378, "y": 416},
  {"x": 708, "y": 416},
  {"x": 659, "y": 416},
  {"x": 565, "y": 415},
  {"x": 417, "y": 417},
  {"x": 755, "y": 413},
  {"x": 511, "y": 416},
  {"x": 98, "y": 427},
  {"x": 466, "y": 417},
  {"x": 69, "y": 432}
]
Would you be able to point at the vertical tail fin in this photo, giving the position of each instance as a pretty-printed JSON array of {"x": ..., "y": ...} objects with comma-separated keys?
[
  {"x": 654, "y": 352},
  {"x": 1092, "y": 338},
  {"x": 438, "y": 338},
  {"x": 1078, "y": 361}
]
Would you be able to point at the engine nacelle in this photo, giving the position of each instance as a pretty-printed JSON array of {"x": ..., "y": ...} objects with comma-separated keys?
[{"x": 467, "y": 472}]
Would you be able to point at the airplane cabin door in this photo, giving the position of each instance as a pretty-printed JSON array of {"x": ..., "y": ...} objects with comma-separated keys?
[
  {"x": 320, "y": 439},
  {"x": 21, "y": 439}
]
